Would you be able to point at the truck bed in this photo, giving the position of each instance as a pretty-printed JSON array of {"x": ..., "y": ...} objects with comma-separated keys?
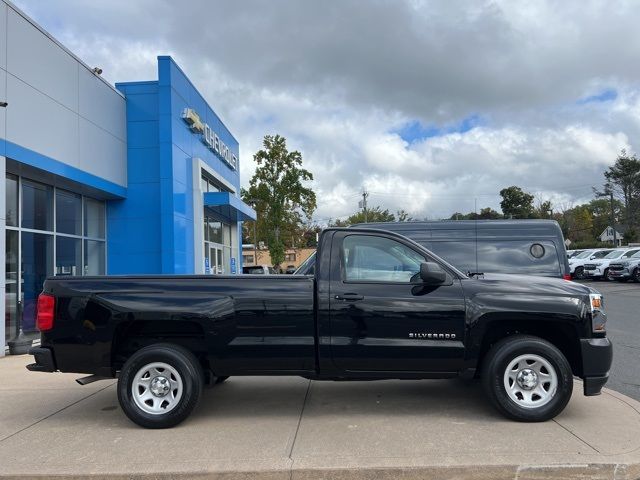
[{"x": 241, "y": 318}]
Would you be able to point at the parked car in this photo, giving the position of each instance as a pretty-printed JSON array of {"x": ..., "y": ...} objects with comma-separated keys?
[
  {"x": 599, "y": 269},
  {"x": 626, "y": 269},
  {"x": 576, "y": 264},
  {"x": 531, "y": 247},
  {"x": 379, "y": 306},
  {"x": 290, "y": 269},
  {"x": 259, "y": 270},
  {"x": 573, "y": 253}
]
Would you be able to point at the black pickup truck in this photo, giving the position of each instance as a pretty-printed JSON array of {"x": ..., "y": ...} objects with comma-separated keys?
[{"x": 379, "y": 306}]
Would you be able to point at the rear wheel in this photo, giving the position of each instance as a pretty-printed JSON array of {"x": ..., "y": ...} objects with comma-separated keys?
[
  {"x": 579, "y": 273},
  {"x": 527, "y": 378},
  {"x": 160, "y": 385}
]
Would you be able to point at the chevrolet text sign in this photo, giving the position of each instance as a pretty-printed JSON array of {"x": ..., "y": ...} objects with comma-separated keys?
[{"x": 209, "y": 137}]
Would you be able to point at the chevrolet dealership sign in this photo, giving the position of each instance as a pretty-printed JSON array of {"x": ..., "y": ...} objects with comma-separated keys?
[{"x": 209, "y": 137}]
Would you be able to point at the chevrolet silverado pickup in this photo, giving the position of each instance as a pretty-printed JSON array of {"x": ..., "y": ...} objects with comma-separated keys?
[{"x": 378, "y": 306}]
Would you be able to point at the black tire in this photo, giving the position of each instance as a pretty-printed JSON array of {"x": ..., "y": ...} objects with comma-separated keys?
[
  {"x": 494, "y": 368},
  {"x": 636, "y": 275},
  {"x": 220, "y": 379},
  {"x": 187, "y": 371},
  {"x": 605, "y": 275},
  {"x": 579, "y": 273}
]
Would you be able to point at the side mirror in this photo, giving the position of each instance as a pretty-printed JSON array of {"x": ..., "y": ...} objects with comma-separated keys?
[{"x": 432, "y": 274}]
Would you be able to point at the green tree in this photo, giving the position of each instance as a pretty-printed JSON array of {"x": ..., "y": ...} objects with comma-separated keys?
[
  {"x": 600, "y": 209},
  {"x": 488, "y": 214},
  {"x": 278, "y": 193},
  {"x": 544, "y": 210},
  {"x": 375, "y": 214},
  {"x": 578, "y": 222},
  {"x": 403, "y": 216},
  {"x": 631, "y": 235},
  {"x": 623, "y": 181},
  {"x": 516, "y": 203}
]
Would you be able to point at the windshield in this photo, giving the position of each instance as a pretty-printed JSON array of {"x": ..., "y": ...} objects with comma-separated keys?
[
  {"x": 600, "y": 254},
  {"x": 630, "y": 253},
  {"x": 614, "y": 254},
  {"x": 585, "y": 254},
  {"x": 636, "y": 255}
]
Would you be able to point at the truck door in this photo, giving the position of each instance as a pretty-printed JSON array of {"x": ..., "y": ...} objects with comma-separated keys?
[{"x": 382, "y": 317}]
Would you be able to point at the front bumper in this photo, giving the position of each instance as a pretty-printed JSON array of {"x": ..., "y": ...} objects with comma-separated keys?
[
  {"x": 44, "y": 360},
  {"x": 596, "y": 272},
  {"x": 624, "y": 273},
  {"x": 597, "y": 356}
]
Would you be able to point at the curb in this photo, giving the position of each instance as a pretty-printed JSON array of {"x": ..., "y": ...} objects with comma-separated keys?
[{"x": 606, "y": 471}]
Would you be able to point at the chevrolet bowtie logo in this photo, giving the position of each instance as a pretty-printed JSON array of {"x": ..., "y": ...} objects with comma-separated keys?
[{"x": 193, "y": 119}]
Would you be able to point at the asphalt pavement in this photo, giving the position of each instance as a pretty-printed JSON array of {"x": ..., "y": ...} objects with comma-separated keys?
[{"x": 622, "y": 304}]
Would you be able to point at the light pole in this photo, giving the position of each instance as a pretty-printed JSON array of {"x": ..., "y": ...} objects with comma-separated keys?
[{"x": 253, "y": 203}]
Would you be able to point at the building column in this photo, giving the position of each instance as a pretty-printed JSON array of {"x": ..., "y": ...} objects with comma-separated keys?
[{"x": 3, "y": 238}]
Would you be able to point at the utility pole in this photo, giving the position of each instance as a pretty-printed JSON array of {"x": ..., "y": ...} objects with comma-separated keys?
[
  {"x": 613, "y": 218},
  {"x": 254, "y": 204},
  {"x": 363, "y": 203}
]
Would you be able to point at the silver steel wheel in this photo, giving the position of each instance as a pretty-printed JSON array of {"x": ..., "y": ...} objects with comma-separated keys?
[
  {"x": 157, "y": 388},
  {"x": 530, "y": 381}
]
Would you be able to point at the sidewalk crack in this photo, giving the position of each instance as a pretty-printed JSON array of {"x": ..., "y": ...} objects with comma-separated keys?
[
  {"x": 54, "y": 413},
  {"x": 582, "y": 440},
  {"x": 295, "y": 435}
]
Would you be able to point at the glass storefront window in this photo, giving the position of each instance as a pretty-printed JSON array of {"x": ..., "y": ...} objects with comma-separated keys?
[
  {"x": 93, "y": 257},
  {"x": 37, "y": 206},
  {"x": 36, "y": 265},
  {"x": 93, "y": 218},
  {"x": 68, "y": 212},
  {"x": 68, "y": 256},
  {"x": 11, "y": 191},
  {"x": 215, "y": 231},
  {"x": 11, "y": 322}
]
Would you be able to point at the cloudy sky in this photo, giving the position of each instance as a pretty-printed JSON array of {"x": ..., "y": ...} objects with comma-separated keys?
[{"x": 433, "y": 107}]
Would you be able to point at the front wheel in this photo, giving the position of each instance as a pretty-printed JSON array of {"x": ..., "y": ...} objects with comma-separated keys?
[
  {"x": 636, "y": 275},
  {"x": 579, "y": 273},
  {"x": 160, "y": 385},
  {"x": 527, "y": 378}
]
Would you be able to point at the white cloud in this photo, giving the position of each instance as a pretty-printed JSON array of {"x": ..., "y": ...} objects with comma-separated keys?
[{"x": 338, "y": 78}]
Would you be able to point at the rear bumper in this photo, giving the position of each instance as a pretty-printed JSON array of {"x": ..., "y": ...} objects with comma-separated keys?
[
  {"x": 597, "y": 355},
  {"x": 44, "y": 361}
]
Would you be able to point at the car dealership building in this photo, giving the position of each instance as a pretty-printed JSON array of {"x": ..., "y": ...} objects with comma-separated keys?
[{"x": 137, "y": 178}]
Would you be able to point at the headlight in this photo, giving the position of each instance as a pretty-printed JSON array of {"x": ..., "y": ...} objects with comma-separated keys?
[
  {"x": 598, "y": 317},
  {"x": 597, "y": 264}
]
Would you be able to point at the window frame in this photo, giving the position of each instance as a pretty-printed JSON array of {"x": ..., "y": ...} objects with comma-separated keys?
[{"x": 343, "y": 278}]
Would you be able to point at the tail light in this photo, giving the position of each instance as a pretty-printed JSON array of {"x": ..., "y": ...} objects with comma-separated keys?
[
  {"x": 566, "y": 276},
  {"x": 46, "y": 312}
]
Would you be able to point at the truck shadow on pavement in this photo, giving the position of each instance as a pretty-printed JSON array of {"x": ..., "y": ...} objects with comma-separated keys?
[{"x": 273, "y": 396}]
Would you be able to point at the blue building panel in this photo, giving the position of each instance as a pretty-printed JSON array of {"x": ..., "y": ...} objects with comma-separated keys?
[{"x": 162, "y": 150}]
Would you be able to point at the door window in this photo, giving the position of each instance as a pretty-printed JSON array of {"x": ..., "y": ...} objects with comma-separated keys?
[{"x": 378, "y": 259}]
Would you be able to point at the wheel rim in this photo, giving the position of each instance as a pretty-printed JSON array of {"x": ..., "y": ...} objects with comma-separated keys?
[
  {"x": 579, "y": 272},
  {"x": 530, "y": 381},
  {"x": 636, "y": 274},
  {"x": 157, "y": 388}
]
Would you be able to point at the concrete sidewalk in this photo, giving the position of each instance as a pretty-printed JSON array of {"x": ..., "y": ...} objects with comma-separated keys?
[{"x": 282, "y": 428}]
